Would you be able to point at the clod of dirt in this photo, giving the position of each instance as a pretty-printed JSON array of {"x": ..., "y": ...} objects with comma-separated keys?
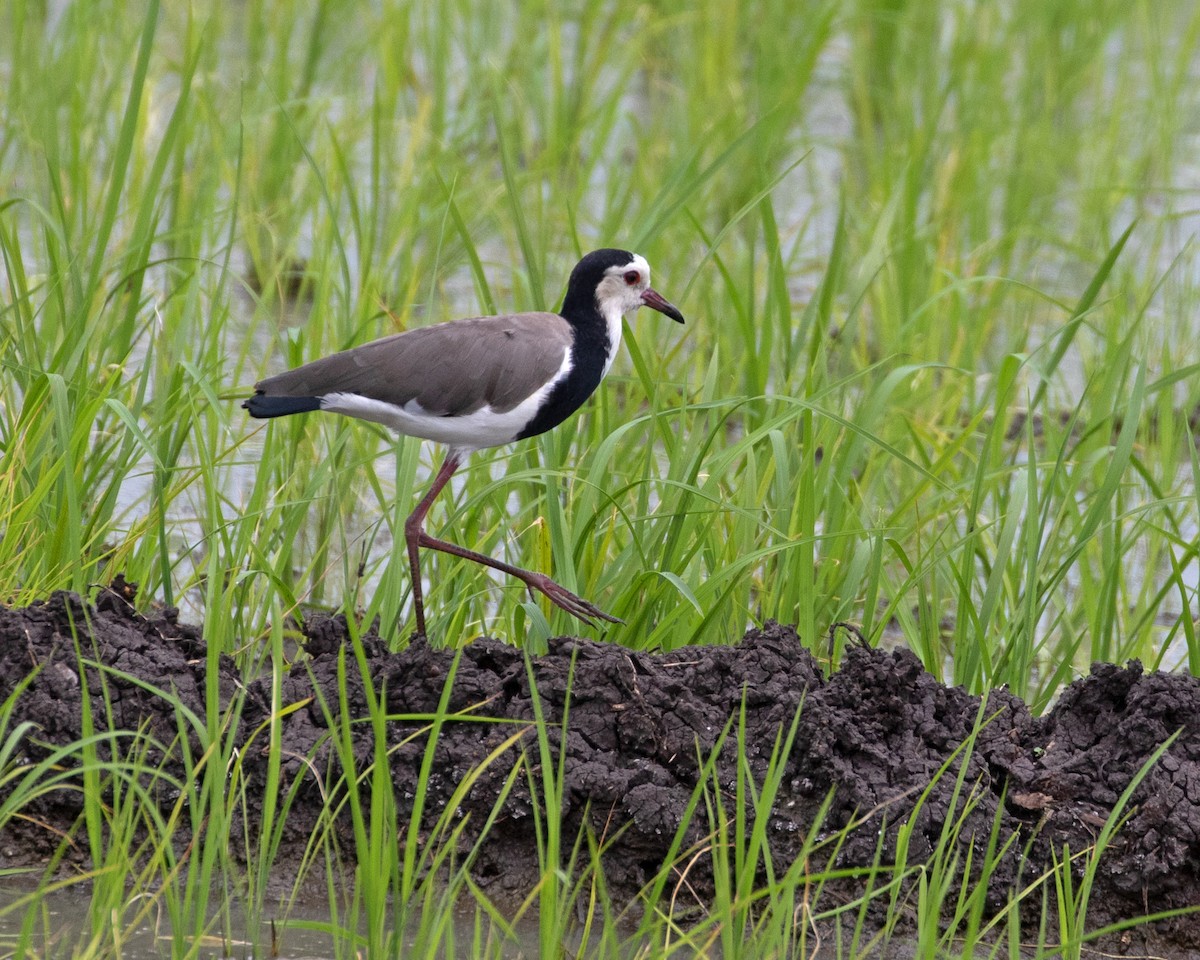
[{"x": 870, "y": 741}]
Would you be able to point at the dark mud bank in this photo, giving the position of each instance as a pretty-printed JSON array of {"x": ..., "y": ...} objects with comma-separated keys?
[{"x": 872, "y": 736}]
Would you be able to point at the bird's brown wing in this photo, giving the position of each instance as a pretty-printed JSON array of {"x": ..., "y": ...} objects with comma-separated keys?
[{"x": 450, "y": 369}]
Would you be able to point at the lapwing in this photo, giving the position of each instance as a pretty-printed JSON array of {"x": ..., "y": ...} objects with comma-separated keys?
[{"x": 477, "y": 383}]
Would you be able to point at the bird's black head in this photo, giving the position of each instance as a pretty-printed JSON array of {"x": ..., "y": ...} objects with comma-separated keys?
[
  {"x": 588, "y": 273},
  {"x": 612, "y": 283}
]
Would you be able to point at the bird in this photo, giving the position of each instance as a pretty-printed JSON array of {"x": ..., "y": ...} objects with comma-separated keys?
[{"x": 476, "y": 383}]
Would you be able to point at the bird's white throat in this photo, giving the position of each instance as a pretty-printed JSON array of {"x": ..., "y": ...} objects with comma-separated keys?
[{"x": 614, "y": 317}]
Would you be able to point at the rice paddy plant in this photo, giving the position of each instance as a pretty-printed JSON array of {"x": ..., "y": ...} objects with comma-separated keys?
[
  {"x": 937, "y": 379},
  {"x": 400, "y": 896},
  {"x": 416, "y": 888},
  {"x": 180, "y": 870},
  {"x": 192, "y": 228},
  {"x": 129, "y": 836}
]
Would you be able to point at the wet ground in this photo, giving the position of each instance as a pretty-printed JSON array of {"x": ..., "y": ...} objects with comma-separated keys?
[{"x": 869, "y": 740}]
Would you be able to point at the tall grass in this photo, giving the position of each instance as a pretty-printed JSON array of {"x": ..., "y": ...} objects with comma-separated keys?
[
  {"x": 934, "y": 259},
  {"x": 935, "y": 256}
]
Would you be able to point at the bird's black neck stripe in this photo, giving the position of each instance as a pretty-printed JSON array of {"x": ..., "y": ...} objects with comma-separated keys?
[{"x": 589, "y": 355}]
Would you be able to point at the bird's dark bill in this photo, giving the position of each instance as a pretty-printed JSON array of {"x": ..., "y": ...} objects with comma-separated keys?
[{"x": 655, "y": 301}]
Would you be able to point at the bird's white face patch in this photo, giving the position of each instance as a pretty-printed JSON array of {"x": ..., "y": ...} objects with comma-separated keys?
[
  {"x": 620, "y": 291},
  {"x": 618, "y": 294}
]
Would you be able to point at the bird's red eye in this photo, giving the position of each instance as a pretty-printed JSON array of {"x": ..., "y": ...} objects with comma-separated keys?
[{"x": 632, "y": 277}]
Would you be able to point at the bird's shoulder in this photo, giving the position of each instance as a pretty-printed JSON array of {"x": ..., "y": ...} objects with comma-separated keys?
[
  {"x": 454, "y": 368},
  {"x": 505, "y": 331}
]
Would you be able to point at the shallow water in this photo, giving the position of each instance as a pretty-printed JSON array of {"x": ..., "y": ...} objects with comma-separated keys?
[{"x": 57, "y": 925}]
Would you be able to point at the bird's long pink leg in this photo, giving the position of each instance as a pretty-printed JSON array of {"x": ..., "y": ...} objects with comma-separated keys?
[
  {"x": 413, "y": 532},
  {"x": 559, "y": 595},
  {"x": 415, "y": 536}
]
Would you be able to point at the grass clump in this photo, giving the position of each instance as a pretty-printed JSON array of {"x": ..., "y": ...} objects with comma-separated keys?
[
  {"x": 938, "y": 377},
  {"x": 935, "y": 379}
]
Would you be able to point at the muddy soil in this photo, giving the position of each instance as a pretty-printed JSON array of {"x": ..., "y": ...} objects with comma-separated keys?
[{"x": 871, "y": 737}]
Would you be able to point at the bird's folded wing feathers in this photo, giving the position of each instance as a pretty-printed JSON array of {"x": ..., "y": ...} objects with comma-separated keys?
[{"x": 449, "y": 369}]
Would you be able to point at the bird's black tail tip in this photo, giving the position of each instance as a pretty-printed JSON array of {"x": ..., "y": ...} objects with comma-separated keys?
[{"x": 264, "y": 407}]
